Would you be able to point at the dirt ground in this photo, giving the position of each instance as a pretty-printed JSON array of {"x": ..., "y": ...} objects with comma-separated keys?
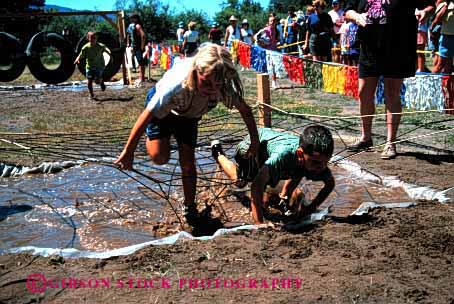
[{"x": 389, "y": 256}]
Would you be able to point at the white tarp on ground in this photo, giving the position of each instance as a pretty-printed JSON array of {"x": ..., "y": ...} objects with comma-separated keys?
[
  {"x": 415, "y": 192},
  {"x": 46, "y": 167},
  {"x": 75, "y": 253}
]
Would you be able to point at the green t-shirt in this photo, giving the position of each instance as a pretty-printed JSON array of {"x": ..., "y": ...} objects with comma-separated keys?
[
  {"x": 278, "y": 152},
  {"x": 93, "y": 55}
]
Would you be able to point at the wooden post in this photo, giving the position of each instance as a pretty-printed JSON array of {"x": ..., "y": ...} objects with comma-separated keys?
[
  {"x": 122, "y": 32},
  {"x": 264, "y": 96}
]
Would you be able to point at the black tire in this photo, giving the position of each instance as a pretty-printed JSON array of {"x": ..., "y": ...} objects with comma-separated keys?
[
  {"x": 113, "y": 45},
  {"x": 35, "y": 47},
  {"x": 11, "y": 54}
]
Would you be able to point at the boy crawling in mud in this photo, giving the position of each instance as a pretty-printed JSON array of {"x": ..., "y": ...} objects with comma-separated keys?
[
  {"x": 282, "y": 157},
  {"x": 93, "y": 52}
]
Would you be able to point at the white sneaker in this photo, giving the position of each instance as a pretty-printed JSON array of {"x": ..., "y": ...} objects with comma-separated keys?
[{"x": 389, "y": 152}]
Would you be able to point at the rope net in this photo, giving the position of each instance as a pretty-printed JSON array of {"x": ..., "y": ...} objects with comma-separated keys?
[{"x": 111, "y": 208}]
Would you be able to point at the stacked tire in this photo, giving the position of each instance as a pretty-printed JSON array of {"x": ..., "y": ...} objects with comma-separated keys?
[
  {"x": 12, "y": 57},
  {"x": 37, "y": 45}
]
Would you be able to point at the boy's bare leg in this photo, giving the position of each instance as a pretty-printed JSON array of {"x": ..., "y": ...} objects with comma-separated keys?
[
  {"x": 228, "y": 167},
  {"x": 90, "y": 87}
]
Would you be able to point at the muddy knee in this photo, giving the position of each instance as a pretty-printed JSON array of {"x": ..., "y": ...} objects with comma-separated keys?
[{"x": 159, "y": 159}]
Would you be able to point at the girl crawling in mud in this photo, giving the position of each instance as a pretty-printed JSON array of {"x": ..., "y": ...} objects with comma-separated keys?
[{"x": 174, "y": 107}]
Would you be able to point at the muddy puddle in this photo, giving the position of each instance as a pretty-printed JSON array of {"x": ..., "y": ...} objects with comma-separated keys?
[{"x": 96, "y": 207}]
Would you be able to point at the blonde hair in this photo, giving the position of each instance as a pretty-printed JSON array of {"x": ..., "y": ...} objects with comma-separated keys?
[{"x": 212, "y": 58}]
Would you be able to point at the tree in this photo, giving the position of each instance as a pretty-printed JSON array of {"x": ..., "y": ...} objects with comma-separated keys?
[
  {"x": 246, "y": 9},
  {"x": 20, "y": 26},
  {"x": 155, "y": 16},
  {"x": 203, "y": 24},
  {"x": 281, "y": 6}
]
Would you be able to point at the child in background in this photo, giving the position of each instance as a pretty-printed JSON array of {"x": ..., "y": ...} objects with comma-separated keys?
[
  {"x": 93, "y": 52},
  {"x": 190, "y": 39},
  {"x": 422, "y": 37},
  {"x": 348, "y": 43},
  {"x": 434, "y": 41}
]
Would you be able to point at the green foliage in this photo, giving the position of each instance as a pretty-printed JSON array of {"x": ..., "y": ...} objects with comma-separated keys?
[
  {"x": 203, "y": 24},
  {"x": 246, "y": 9},
  {"x": 19, "y": 6},
  {"x": 78, "y": 26},
  {"x": 17, "y": 25},
  {"x": 155, "y": 16},
  {"x": 158, "y": 20},
  {"x": 280, "y": 7}
]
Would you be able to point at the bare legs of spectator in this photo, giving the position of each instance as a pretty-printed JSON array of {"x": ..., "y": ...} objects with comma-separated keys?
[
  {"x": 443, "y": 65},
  {"x": 420, "y": 59},
  {"x": 393, "y": 105},
  {"x": 367, "y": 87},
  {"x": 142, "y": 73}
]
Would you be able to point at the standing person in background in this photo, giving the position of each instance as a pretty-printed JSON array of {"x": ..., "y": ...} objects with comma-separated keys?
[
  {"x": 232, "y": 32},
  {"x": 423, "y": 28},
  {"x": 434, "y": 41},
  {"x": 337, "y": 16},
  {"x": 180, "y": 38},
  {"x": 130, "y": 53},
  {"x": 137, "y": 42},
  {"x": 176, "y": 104},
  {"x": 247, "y": 34},
  {"x": 387, "y": 32},
  {"x": 301, "y": 20},
  {"x": 305, "y": 27},
  {"x": 190, "y": 39},
  {"x": 93, "y": 53},
  {"x": 348, "y": 43},
  {"x": 445, "y": 15},
  {"x": 319, "y": 33},
  {"x": 215, "y": 33},
  {"x": 280, "y": 33},
  {"x": 291, "y": 30},
  {"x": 267, "y": 39},
  {"x": 267, "y": 36}
]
